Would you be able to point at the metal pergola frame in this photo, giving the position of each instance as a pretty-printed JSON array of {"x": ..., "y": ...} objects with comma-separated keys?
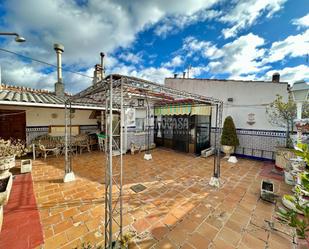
[{"x": 115, "y": 93}]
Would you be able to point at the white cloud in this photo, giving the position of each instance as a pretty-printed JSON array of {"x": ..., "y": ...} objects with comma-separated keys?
[
  {"x": 87, "y": 30},
  {"x": 246, "y": 12},
  {"x": 172, "y": 24},
  {"x": 291, "y": 74},
  {"x": 302, "y": 22},
  {"x": 191, "y": 45},
  {"x": 293, "y": 46},
  {"x": 175, "y": 62},
  {"x": 84, "y": 30},
  {"x": 153, "y": 74},
  {"x": 242, "y": 56},
  {"x": 35, "y": 75},
  {"x": 131, "y": 58}
]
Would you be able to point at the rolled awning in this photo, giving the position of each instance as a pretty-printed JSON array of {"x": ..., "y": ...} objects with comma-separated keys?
[{"x": 182, "y": 110}]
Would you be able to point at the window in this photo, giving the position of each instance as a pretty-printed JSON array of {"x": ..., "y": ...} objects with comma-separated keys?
[{"x": 140, "y": 124}]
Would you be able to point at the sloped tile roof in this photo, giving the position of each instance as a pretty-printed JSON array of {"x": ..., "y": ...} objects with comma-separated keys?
[
  {"x": 25, "y": 95},
  {"x": 43, "y": 98}
]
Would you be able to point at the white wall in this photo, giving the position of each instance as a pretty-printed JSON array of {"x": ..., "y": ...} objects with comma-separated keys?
[
  {"x": 36, "y": 116},
  {"x": 248, "y": 97}
]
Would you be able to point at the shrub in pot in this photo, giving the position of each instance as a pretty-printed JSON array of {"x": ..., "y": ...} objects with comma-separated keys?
[
  {"x": 229, "y": 139},
  {"x": 9, "y": 149},
  {"x": 282, "y": 114},
  {"x": 296, "y": 211}
]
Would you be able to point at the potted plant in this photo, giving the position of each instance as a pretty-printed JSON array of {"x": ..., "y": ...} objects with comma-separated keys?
[
  {"x": 296, "y": 211},
  {"x": 282, "y": 114},
  {"x": 229, "y": 139},
  {"x": 9, "y": 149}
]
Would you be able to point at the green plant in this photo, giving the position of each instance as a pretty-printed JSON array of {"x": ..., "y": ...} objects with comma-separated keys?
[
  {"x": 88, "y": 245},
  {"x": 123, "y": 243},
  {"x": 282, "y": 114},
  {"x": 12, "y": 147},
  {"x": 229, "y": 136},
  {"x": 292, "y": 217}
]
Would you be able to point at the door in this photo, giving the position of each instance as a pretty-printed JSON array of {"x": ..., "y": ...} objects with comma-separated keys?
[
  {"x": 13, "y": 124},
  {"x": 181, "y": 133},
  {"x": 202, "y": 133}
]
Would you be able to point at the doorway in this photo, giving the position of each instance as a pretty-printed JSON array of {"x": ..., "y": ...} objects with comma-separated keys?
[{"x": 13, "y": 124}]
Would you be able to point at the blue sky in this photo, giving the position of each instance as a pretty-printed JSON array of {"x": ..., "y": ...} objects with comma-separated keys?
[{"x": 238, "y": 39}]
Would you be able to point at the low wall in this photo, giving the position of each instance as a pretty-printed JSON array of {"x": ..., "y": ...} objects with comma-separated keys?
[
  {"x": 34, "y": 131},
  {"x": 139, "y": 138},
  {"x": 257, "y": 143}
]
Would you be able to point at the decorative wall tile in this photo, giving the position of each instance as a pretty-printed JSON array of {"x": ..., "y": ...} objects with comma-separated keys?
[{"x": 257, "y": 143}]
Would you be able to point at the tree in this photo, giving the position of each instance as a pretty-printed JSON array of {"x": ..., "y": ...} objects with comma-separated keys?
[
  {"x": 229, "y": 136},
  {"x": 282, "y": 114}
]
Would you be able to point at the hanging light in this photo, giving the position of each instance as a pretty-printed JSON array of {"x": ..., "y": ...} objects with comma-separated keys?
[{"x": 18, "y": 38}]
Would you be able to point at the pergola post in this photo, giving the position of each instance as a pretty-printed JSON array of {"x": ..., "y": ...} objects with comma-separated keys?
[
  {"x": 114, "y": 161},
  {"x": 68, "y": 173},
  {"x": 147, "y": 155},
  {"x": 215, "y": 179}
]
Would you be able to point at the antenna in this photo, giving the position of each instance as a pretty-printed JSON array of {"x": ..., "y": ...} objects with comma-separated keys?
[{"x": 188, "y": 71}]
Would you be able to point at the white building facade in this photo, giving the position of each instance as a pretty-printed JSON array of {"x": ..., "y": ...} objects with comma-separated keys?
[{"x": 245, "y": 102}]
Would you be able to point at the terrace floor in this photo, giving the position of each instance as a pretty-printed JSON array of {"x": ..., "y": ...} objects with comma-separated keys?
[{"x": 177, "y": 210}]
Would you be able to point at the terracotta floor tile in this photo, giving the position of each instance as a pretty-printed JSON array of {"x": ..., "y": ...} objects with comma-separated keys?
[
  {"x": 177, "y": 236},
  {"x": 62, "y": 226},
  {"x": 170, "y": 220},
  {"x": 52, "y": 220},
  {"x": 165, "y": 244},
  {"x": 159, "y": 230},
  {"x": 252, "y": 242},
  {"x": 76, "y": 232},
  {"x": 198, "y": 241},
  {"x": 56, "y": 241},
  {"x": 141, "y": 225},
  {"x": 207, "y": 230},
  {"x": 146, "y": 243},
  {"x": 221, "y": 244},
  {"x": 229, "y": 236},
  {"x": 178, "y": 207}
]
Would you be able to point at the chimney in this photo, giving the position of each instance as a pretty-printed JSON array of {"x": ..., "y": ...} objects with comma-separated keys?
[
  {"x": 102, "y": 66},
  {"x": 59, "y": 86},
  {"x": 276, "y": 78},
  {"x": 184, "y": 75},
  {"x": 97, "y": 74},
  {"x": 99, "y": 71},
  {"x": 175, "y": 75}
]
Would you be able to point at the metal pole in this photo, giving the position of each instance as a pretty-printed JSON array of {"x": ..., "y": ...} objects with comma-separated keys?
[
  {"x": 110, "y": 166},
  {"x": 106, "y": 166},
  {"x": 66, "y": 137},
  {"x": 219, "y": 133},
  {"x": 70, "y": 138},
  {"x": 216, "y": 144},
  {"x": 121, "y": 153}
]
